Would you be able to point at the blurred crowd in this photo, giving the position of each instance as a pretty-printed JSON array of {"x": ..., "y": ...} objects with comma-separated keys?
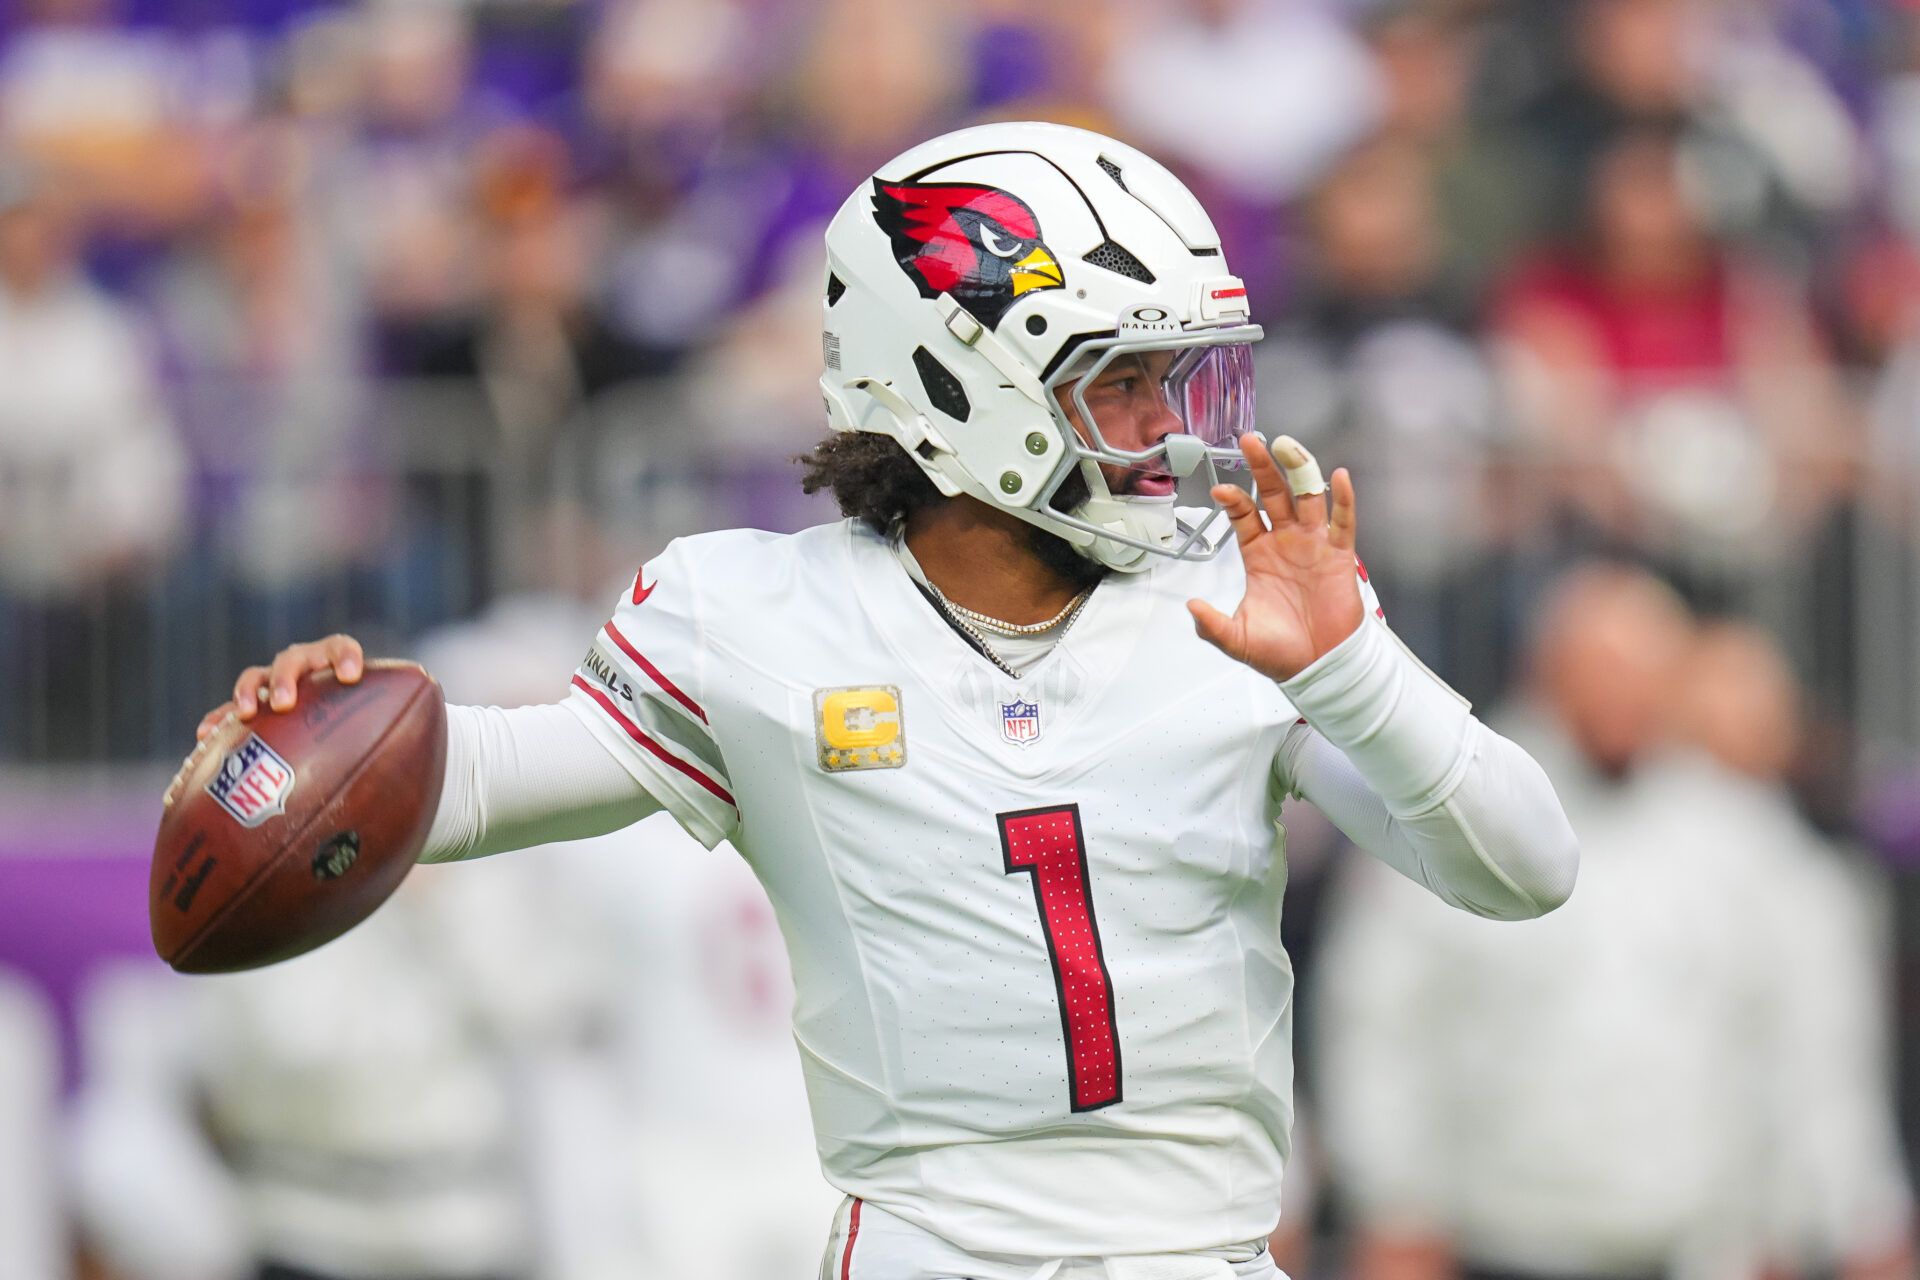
[
  {"x": 321, "y": 313},
  {"x": 1685, "y": 1072},
  {"x": 401, "y": 314}
]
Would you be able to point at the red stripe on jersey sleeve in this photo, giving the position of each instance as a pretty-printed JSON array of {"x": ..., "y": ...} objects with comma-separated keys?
[
  {"x": 655, "y": 674},
  {"x": 634, "y": 731}
]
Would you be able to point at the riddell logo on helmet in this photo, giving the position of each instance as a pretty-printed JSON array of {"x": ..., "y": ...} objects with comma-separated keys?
[{"x": 979, "y": 244}]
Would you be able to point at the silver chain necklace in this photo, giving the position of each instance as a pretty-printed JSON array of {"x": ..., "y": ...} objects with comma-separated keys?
[
  {"x": 970, "y": 623},
  {"x": 1015, "y": 629}
]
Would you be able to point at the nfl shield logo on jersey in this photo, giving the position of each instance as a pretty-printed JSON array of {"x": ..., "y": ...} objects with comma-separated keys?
[
  {"x": 1020, "y": 722},
  {"x": 253, "y": 783}
]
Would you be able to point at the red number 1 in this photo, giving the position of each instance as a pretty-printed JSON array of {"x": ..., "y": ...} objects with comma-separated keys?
[{"x": 1046, "y": 843}]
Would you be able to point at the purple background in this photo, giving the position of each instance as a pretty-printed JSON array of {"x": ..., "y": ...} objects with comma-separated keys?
[{"x": 73, "y": 892}]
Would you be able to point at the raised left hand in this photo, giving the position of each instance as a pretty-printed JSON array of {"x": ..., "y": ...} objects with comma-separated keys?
[{"x": 1303, "y": 591}]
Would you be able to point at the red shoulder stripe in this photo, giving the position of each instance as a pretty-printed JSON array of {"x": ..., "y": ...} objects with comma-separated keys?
[
  {"x": 654, "y": 673},
  {"x": 666, "y": 757}
]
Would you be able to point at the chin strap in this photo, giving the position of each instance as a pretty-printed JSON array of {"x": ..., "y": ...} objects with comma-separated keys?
[{"x": 1145, "y": 519}]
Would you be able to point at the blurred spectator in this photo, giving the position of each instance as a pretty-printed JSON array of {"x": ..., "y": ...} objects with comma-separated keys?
[
  {"x": 758, "y": 381},
  {"x": 263, "y": 322},
  {"x": 1177, "y": 85},
  {"x": 152, "y": 1198},
  {"x": 119, "y": 111},
  {"x": 1425, "y": 53},
  {"x": 357, "y": 1113},
  {"x": 1664, "y": 1079},
  {"x": 1679, "y": 386},
  {"x": 33, "y": 1242},
  {"x": 91, "y": 466},
  {"x": 727, "y": 136},
  {"x": 1490, "y": 191},
  {"x": 91, "y": 483},
  {"x": 1888, "y": 543},
  {"x": 1898, "y": 120},
  {"x": 534, "y": 339},
  {"x": 515, "y": 653},
  {"x": 663, "y": 86},
  {"x": 1179, "y": 78},
  {"x": 1567, "y": 1097},
  {"x": 873, "y": 78},
  {"x": 1779, "y": 154},
  {"x": 728, "y": 1185},
  {"x": 536, "y": 347},
  {"x": 1044, "y": 61},
  {"x": 407, "y": 161},
  {"x": 1882, "y": 274},
  {"x": 1837, "y": 1200}
]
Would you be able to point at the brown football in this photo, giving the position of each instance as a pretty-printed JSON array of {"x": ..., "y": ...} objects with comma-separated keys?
[{"x": 283, "y": 833}]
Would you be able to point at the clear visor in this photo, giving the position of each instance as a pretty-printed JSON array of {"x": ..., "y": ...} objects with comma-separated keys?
[{"x": 1162, "y": 406}]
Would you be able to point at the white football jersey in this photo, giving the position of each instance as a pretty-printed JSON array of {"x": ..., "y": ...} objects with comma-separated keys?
[{"x": 1042, "y": 1006}]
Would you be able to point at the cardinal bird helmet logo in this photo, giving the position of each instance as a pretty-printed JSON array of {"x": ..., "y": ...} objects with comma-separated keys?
[{"x": 979, "y": 244}]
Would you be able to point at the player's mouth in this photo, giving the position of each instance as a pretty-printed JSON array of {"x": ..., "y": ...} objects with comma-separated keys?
[{"x": 1151, "y": 484}]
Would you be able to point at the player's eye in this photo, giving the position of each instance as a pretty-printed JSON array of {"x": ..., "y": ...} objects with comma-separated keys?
[{"x": 998, "y": 245}]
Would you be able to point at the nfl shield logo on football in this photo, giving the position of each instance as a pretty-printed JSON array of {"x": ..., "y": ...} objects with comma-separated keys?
[
  {"x": 253, "y": 783},
  {"x": 1020, "y": 722}
]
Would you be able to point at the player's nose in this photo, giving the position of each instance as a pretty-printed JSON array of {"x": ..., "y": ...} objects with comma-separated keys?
[{"x": 1159, "y": 421}]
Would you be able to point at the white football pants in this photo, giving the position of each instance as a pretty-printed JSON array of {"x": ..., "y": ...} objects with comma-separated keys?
[{"x": 868, "y": 1243}]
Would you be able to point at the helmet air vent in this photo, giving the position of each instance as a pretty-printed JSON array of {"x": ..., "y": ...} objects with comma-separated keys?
[
  {"x": 1111, "y": 257},
  {"x": 835, "y": 287},
  {"x": 944, "y": 391},
  {"x": 1113, "y": 171}
]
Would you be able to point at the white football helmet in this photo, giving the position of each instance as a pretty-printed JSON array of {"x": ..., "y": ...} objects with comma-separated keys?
[{"x": 992, "y": 287}]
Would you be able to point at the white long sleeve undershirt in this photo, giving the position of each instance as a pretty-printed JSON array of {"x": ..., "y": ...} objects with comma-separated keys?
[
  {"x": 527, "y": 776},
  {"x": 1388, "y": 753},
  {"x": 1402, "y": 766}
]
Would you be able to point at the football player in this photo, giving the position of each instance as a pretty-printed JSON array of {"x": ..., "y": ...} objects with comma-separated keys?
[{"x": 1007, "y": 746}]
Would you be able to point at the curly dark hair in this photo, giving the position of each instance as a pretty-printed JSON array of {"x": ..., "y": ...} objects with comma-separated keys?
[
  {"x": 875, "y": 481},
  {"x": 871, "y": 477}
]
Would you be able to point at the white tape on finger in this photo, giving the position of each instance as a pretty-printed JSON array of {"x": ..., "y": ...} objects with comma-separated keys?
[{"x": 1303, "y": 473}]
